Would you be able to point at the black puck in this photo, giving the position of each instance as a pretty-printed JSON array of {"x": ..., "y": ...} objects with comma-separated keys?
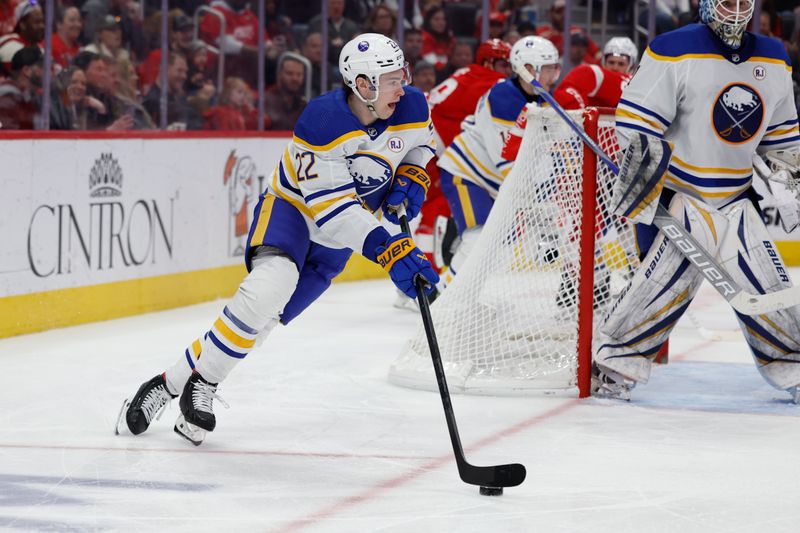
[{"x": 491, "y": 491}]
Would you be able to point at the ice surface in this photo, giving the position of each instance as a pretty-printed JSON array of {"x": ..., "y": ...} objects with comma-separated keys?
[{"x": 317, "y": 439}]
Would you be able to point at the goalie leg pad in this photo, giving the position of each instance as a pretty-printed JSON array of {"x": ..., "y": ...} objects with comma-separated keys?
[
  {"x": 752, "y": 259},
  {"x": 657, "y": 296}
]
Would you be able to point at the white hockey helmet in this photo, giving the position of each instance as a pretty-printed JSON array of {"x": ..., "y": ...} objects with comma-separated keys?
[
  {"x": 370, "y": 55},
  {"x": 727, "y": 18},
  {"x": 621, "y": 46},
  {"x": 534, "y": 51}
]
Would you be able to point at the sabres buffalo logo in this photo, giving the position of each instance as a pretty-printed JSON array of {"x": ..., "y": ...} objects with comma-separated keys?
[
  {"x": 738, "y": 113},
  {"x": 372, "y": 175}
]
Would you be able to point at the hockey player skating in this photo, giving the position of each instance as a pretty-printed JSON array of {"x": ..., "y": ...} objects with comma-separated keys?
[
  {"x": 586, "y": 85},
  {"x": 451, "y": 102},
  {"x": 472, "y": 167},
  {"x": 596, "y": 86},
  {"x": 718, "y": 95},
  {"x": 356, "y": 153}
]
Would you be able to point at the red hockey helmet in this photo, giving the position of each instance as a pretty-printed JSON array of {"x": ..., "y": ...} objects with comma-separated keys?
[{"x": 492, "y": 49}]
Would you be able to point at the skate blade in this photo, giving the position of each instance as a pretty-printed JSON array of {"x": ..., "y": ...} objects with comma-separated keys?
[
  {"x": 188, "y": 431},
  {"x": 125, "y": 404}
]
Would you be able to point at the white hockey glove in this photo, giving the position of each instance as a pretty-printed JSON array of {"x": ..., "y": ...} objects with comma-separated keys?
[
  {"x": 641, "y": 178},
  {"x": 228, "y": 44},
  {"x": 781, "y": 174}
]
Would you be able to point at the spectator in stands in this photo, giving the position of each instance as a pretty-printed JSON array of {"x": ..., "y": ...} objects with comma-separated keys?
[
  {"x": 381, "y": 20},
  {"x": 554, "y": 32},
  {"x": 180, "y": 41},
  {"x": 94, "y": 15},
  {"x": 69, "y": 100},
  {"x": 518, "y": 12},
  {"x": 65, "y": 38},
  {"x": 424, "y": 76},
  {"x": 668, "y": 14},
  {"x": 312, "y": 49},
  {"x": 412, "y": 46},
  {"x": 126, "y": 89},
  {"x": 240, "y": 42},
  {"x": 340, "y": 29},
  {"x": 279, "y": 26},
  {"x": 18, "y": 101},
  {"x": 229, "y": 115},
  {"x": 461, "y": 56},
  {"x": 108, "y": 40},
  {"x": 498, "y": 25},
  {"x": 28, "y": 31},
  {"x": 526, "y": 28},
  {"x": 180, "y": 115},
  {"x": 437, "y": 39},
  {"x": 100, "y": 86},
  {"x": 285, "y": 101},
  {"x": 7, "y": 20},
  {"x": 198, "y": 77},
  {"x": 578, "y": 49}
]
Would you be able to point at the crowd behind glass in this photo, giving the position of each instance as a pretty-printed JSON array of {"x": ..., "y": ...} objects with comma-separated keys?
[{"x": 108, "y": 70}]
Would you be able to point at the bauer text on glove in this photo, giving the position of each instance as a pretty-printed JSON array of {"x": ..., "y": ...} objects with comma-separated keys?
[
  {"x": 401, "y": 258},
  {"x": 410, "y": 185}
]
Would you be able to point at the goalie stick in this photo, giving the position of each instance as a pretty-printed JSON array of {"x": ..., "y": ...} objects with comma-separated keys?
[
  {"x": 744, "y": 302},
  {"x": 499, "y": 476}
]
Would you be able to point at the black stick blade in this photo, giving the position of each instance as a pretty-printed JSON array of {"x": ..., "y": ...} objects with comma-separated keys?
[{"x": 492, "y": 476}]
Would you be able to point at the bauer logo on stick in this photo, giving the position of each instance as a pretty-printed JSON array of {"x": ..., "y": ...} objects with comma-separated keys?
[{"x": 738, "y": 113}]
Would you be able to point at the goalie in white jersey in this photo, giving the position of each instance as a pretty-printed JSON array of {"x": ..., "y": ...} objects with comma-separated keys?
[
  {"x": 473, "y": 168},
  {"x": 357, "y": 153},
  {"x": 720, "y": 96}
]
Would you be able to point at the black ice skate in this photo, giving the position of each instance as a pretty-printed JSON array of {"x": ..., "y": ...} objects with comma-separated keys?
[
  {"x": 609, "y": 384},
  {"x": 147, "y": 404},
  {"x": 197, "y": 410}
]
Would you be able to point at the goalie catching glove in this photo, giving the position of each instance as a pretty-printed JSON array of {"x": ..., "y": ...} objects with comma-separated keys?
[
  {"x": 641, "y": 178},
  {"x": 781, "y": 175},
  {"x": 401, "y": 258},
  {"x": 410, "y": 185}
]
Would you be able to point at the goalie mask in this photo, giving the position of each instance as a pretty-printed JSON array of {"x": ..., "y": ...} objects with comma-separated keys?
[
  {"x": 370, "y": 55},
  {"x": 621, "y": 47},
  {"x": 536, "y": 52},
  {"x": 727, "y": 18}
]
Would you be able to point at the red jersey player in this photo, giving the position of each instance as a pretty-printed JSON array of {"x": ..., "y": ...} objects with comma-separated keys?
[
  {"x": 587, "y": 85},
  {"x": 451, "y": 102}
]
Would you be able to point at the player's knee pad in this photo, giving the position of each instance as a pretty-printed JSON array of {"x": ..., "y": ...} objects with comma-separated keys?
[{"x": 263, "y": 294}]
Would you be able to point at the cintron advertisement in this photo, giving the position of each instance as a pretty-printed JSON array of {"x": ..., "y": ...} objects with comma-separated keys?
[{"x": 96, "y": 228}]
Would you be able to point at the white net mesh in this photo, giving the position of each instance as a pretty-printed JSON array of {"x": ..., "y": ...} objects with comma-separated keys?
[{"x": 508, "y": 322}]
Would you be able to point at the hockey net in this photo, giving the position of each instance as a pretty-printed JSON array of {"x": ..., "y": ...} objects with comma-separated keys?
[{"x": 519, "y": 316}]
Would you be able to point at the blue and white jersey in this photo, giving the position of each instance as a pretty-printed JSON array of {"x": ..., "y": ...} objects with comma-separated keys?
[
  {"x": 475, "y": 154},
  {"x": 717, "y": 105},
  {"x": 336, "y": 172}
]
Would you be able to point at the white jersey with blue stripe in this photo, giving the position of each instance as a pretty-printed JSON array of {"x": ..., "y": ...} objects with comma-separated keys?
[
  {"x": 336, "y": 172},
  {"x": 475, "y": 154},
  {"x": 717, "y": 105}
]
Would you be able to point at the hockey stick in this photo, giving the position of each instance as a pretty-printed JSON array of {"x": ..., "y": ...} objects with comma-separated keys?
[
  {"x": 499, "y": 476},
  {"x": 744, "y": 302}
]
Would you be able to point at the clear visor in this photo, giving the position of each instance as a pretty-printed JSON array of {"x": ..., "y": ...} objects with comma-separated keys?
[
  {"x": 552, "y": 71},
  {"x": 392, "y": 81}
]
